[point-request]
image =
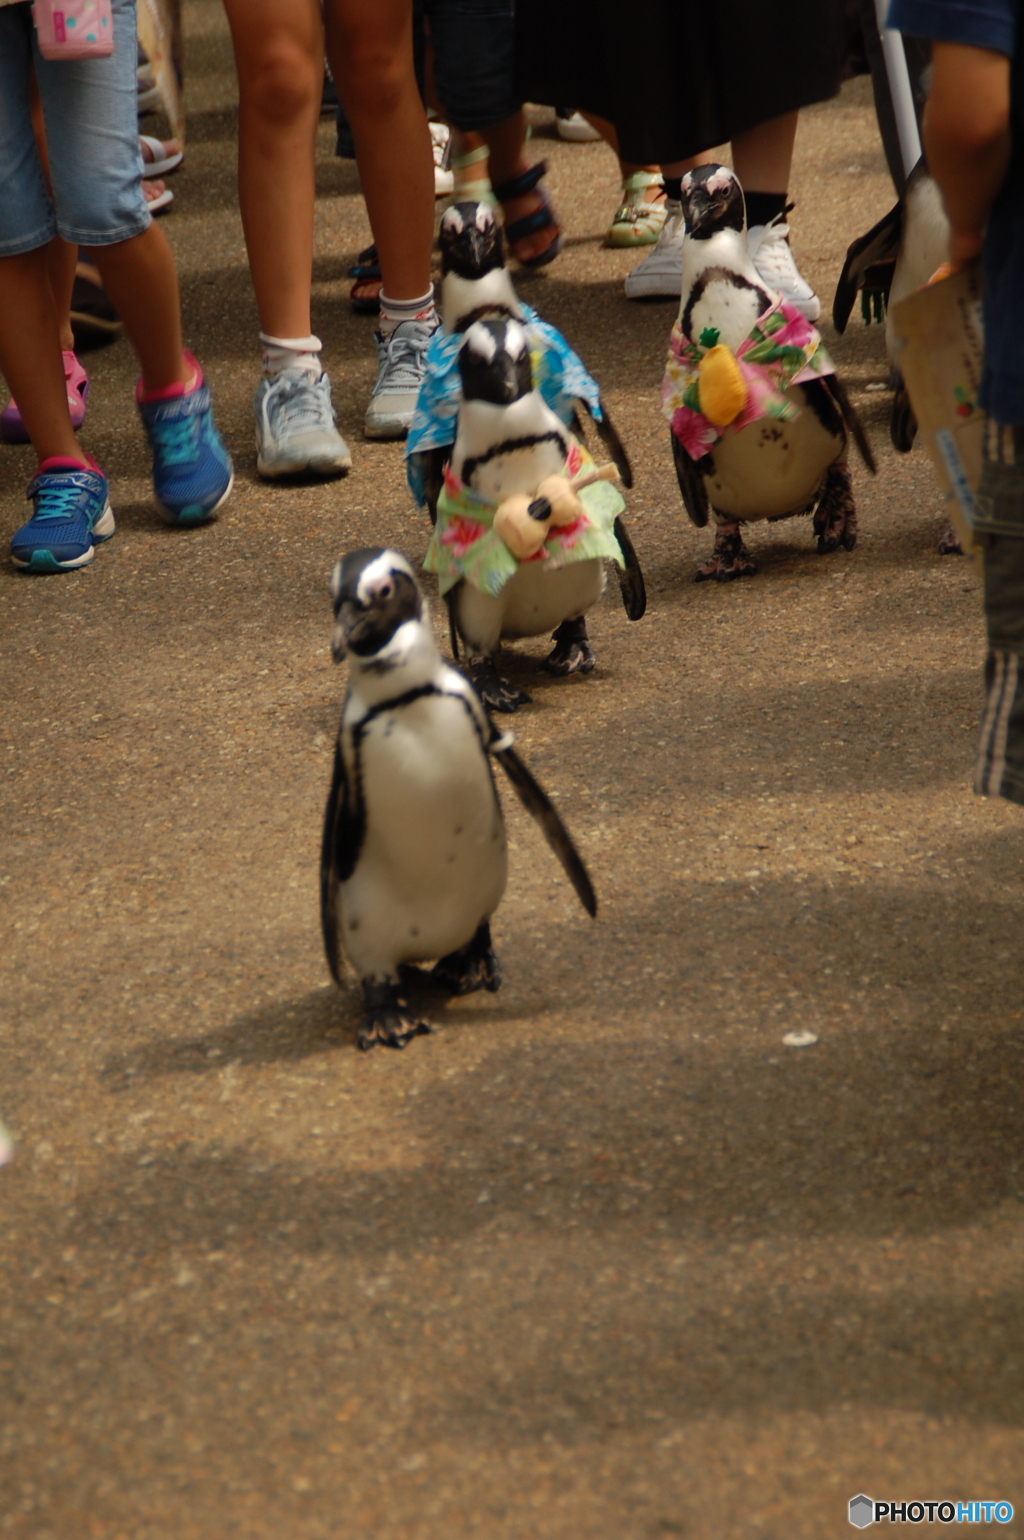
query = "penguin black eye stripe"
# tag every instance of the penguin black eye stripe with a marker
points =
(508, 446)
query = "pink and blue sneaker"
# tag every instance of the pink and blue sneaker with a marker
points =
(12, 427)
(192, 471)
(71, 514)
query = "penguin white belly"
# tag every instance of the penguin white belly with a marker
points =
(772, 468)
(532, 603)
(433, 861)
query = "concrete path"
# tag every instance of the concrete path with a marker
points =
(602, 1259)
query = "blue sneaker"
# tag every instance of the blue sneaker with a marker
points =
(192, 471)
(71, 515)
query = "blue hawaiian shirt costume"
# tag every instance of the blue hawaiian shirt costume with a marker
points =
(558, 373)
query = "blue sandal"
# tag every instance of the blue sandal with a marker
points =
(541, 219)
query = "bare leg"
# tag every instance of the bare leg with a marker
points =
(505, 142)
(370, 48)
(279, 54)
(60, 266)
(30, 354)
(140, 277)
(763, 157)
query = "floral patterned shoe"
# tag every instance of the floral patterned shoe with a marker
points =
(637, 221)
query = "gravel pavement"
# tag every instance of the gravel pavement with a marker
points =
(602, 1258)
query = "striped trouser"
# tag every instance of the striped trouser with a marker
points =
(999, 529)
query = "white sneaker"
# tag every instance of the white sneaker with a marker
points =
(401, 365)
(660, 275)
(772, 255)
(440, 140)
(574, 127)
(295, 432)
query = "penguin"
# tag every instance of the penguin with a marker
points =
(512, 453)
(414, 854)
(475, 286)
(897, 256)
(769, 468)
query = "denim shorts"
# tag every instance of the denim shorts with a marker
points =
(474, 60)
(92, 134)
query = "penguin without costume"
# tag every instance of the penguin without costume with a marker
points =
(897, 256)
(525, 520)
(476, 286)
(760, 420)
(413, 863)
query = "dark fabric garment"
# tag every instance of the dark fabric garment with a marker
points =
(680, 76)
(998, 25)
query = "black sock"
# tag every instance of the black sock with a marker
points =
(674, 188)
(762, 208)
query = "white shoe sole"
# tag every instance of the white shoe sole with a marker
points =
(653, 286)
(101, 530)
(574, 134)
(308, 465)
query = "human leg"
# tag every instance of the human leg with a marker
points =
(279, 53)
(762, 158)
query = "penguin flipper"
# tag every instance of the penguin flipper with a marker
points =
(631, 579)
(429, 470)
(879, 244)
(608, 434)
(691, 484)
(539, 805)
(339, 852)
(837, 390)
(902, 419)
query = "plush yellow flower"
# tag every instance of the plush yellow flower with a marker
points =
(720, 386)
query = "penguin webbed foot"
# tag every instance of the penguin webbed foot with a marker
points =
(572, 652)
(835, 518)
(474, 966)
(387, 1019)
(950, 545)
(494, 691)
(730, 558)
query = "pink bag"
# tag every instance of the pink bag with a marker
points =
(74, 29)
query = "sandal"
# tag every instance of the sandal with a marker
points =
(542, 218)
(164, 158)
(365, 292)
(157, 196)
(472, 190)
(637, 221)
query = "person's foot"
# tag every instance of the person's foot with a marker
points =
(71, 514)
(157, 194)
(295, 432)
(401, 363)
(159, 156)
(572, 125)
(640, 217)
(12, 427)
(772, 256)
(192, 471)
(531, 229)
(660, 275)
(441, 144)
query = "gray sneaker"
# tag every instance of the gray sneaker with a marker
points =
(295, 432)
(401, 363)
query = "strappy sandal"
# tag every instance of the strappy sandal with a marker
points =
(364, 294)
(541, 219)
(637, 222)
(472, 189)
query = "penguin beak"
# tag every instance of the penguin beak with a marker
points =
(351, 624)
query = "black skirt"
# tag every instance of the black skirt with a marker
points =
(679, 76)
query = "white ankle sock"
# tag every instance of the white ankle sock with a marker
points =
(291, 353)
(394, 311)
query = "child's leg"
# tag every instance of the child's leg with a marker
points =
(279, 53)
(30, 354)
(140, 277)
(370, 49)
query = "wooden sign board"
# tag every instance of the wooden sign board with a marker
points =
(940, 345)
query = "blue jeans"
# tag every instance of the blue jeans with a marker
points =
(92, 134)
